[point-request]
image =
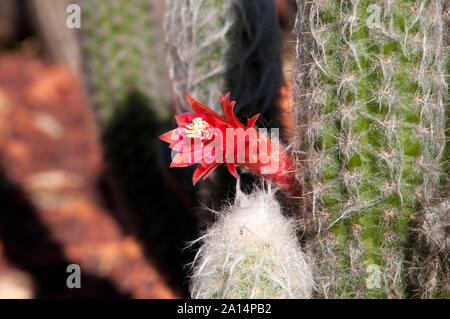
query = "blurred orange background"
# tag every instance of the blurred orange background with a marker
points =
(54, 211)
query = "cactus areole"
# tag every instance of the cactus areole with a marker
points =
(207, 138)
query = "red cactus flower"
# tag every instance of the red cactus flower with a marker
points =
(207, 138)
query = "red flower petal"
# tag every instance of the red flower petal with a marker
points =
(232, 169)
(182, 145)
(168, 137)
(251, 122)
(198, 107)
(227, 108)
(210, 170)
(182, 160)
(185, 118)
(201, 170)
(198, 173)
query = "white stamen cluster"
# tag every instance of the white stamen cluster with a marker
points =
(198, 129)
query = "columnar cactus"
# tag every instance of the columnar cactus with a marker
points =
(222, 45)
(251, 252)
(429, 270)
(369, 97)
(122, 53)
(196, 44)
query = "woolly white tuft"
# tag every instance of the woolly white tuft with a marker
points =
(251, 252)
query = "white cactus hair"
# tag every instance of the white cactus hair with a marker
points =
(251, 251)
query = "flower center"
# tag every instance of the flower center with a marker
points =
(198, 129)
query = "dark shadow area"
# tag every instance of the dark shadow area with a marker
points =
(15, 21)
(148, 200)
(254, 68)
(27, 245)
(427, 263)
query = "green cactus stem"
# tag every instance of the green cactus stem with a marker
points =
(369, 96)
(123, 53)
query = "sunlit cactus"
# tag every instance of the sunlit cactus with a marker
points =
(369, 91)
(251, 252)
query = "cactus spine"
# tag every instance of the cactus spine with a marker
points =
(370, 90)
(123, 53)
(251, 252)
(196, 44)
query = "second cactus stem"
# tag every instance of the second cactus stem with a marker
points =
(369, 90)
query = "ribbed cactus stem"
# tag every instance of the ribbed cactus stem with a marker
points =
(225, 45)
(123, 53)
(251, 252)
(369, 86)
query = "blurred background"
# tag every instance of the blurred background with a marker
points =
(83, 177)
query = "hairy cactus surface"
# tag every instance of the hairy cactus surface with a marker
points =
(123, 53)
(196, 44)
(370, 103)
(251, 252)
(222, 45)
(429, 270)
